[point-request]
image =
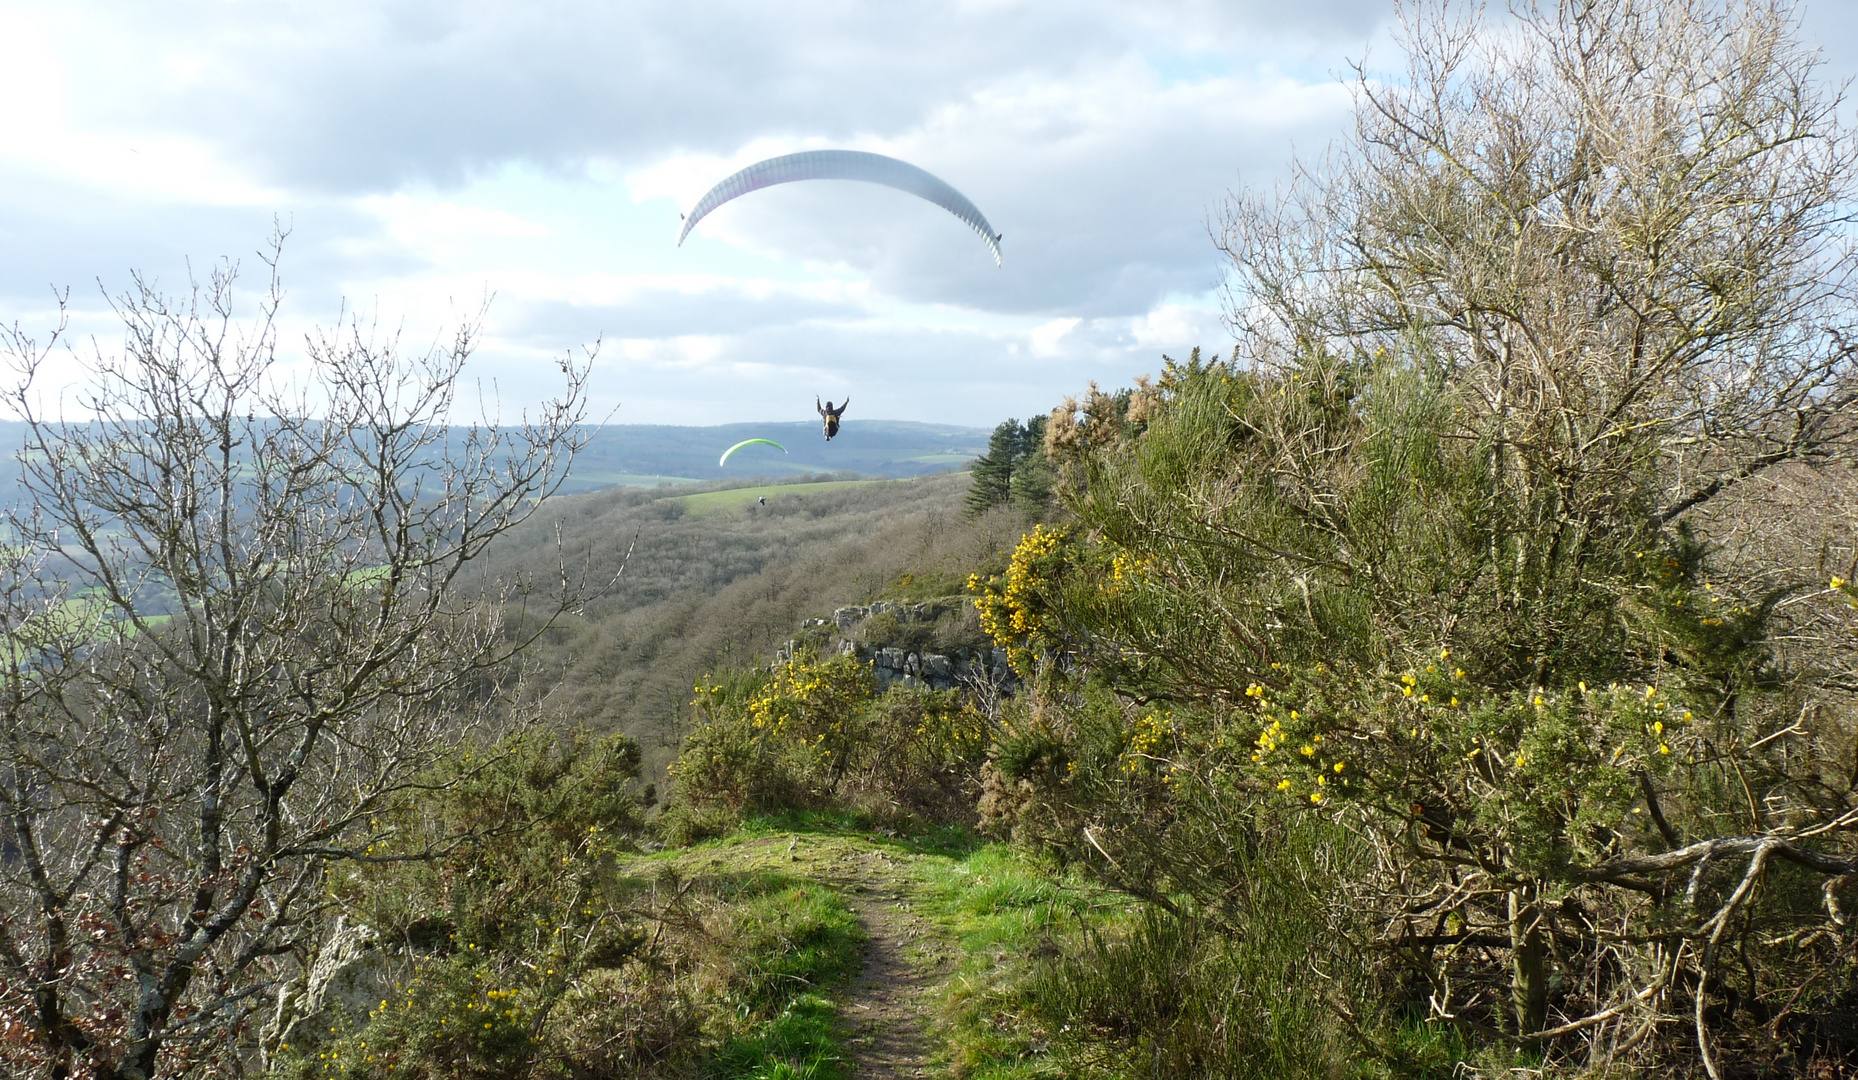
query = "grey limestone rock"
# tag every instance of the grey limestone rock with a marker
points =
(350, 975)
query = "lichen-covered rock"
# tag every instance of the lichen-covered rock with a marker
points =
(350, 975)
(937, 666)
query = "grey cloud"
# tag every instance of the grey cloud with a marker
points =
(1100, 225)
(356, 96)
(349, 97)
(660, 313)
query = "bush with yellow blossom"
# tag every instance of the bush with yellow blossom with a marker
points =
(1544, 743)
(815, 733)
(1012, 606)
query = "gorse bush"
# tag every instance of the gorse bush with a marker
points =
(1426, 560)
(492, 898)
(542, 947)
(1544, 773)
(764, 741)
(816, 734)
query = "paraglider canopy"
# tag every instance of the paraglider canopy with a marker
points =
(845, 165)
(724, 460)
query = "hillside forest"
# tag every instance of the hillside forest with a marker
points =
(1454, 675)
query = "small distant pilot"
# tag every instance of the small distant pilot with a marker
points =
(830, 416)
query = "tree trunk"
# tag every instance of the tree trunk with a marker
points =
(1528, 963)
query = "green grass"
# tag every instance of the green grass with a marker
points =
(367, 575)
(795, 940)
(1004, 909)
(1057, 977)
(801, 1042)
(707, 503)
(998, 905)
(594, 479)
(791, 941)
(1052, 975)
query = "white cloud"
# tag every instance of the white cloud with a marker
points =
(1044, 338)
(1177, 326)
(429, 152)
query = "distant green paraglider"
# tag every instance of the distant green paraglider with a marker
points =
(724, 460)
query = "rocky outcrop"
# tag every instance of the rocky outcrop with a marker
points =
(350, 975)
(849, 618)
(850, 632)
(938, 671)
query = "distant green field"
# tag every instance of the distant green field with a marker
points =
(595, 479)
(734, 499)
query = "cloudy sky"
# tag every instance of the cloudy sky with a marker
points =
(425, 153)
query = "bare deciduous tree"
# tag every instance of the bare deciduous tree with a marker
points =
(1611, 217)
(235, 619)
(1432, 557)
(1617, 229)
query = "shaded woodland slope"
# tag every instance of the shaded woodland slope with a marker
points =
(715, 581)
(643, 454)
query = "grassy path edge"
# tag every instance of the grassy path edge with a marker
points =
(947, 919)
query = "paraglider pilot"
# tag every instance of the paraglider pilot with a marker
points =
(830, 416)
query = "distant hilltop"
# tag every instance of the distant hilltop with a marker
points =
(648, 454)
(644, 455)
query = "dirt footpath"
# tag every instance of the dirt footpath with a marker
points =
(887, 1008)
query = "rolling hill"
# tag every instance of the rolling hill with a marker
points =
(716, 578)
(644, 455)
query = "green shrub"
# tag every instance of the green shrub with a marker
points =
(492, 888)
(815, 734)
(1173, 998)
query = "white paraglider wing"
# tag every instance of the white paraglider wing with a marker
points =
(845, 165)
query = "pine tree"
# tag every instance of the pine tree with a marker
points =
(1030, 487)
(993, 471)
